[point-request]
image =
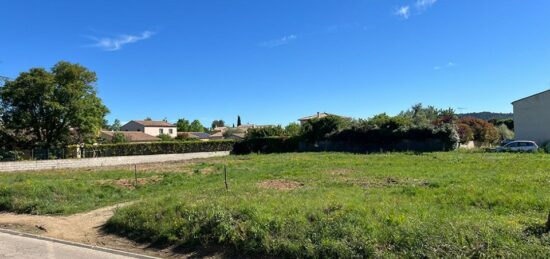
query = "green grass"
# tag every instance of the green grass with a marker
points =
(393, 205)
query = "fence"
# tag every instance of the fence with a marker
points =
(33, 154)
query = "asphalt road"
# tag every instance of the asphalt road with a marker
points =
(22, 247)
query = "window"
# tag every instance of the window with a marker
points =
(170, 131)
(161, 131)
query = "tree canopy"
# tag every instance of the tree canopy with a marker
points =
(183, 125)
(51, 106)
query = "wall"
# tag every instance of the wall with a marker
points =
(102, 161)
(532, 118)
(154, 131)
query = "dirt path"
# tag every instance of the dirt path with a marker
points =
(82, 228)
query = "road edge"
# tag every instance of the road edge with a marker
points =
(70, 243)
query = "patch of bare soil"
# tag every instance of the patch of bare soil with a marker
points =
(281, 185)
(389, 182)
(131, 183)
(85, 228)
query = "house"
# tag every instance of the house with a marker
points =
(236, 136)
(131, 136)
(216, 135)
(319, 115)
(194, 135)
(153, 128)
(532, 118)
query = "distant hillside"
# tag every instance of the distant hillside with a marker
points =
(488, 115)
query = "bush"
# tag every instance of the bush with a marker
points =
(465, 132)
(264, 132)
(165, 137)
(483, 131)
(319, 129)
(505, 132)
(118, 138)
(154, 148)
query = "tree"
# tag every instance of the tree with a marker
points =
(183, 125)
(218, 123)
(196, 126)
(239, 120)
(49, 106)
(293, 129)
(147, 119)
(116, 125)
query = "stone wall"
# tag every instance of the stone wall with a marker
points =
(102, 161)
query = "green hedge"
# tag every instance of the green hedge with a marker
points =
(267, 145)
(153, 148)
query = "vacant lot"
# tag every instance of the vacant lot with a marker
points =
(315, 205)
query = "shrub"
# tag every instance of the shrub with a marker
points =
(319, 129)
(293, 129)
(465, 133)
(505, 132)
(483, 131)
(264, 132)
(165, 137)
(118, 138)
(154, 148)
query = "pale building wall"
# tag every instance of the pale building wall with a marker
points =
(532, 118)
(155, 131)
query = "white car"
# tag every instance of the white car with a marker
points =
(519, 146)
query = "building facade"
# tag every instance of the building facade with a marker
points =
(532, 118)
(153, 128)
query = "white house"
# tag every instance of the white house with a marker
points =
(153, 128)
(532, 118)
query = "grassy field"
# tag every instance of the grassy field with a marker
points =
(317, 205)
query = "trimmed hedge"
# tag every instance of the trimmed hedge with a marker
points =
(153, 148)
(267, 145)
(387, 139)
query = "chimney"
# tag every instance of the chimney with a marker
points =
(318, 115)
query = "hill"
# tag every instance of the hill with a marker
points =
(488, 115)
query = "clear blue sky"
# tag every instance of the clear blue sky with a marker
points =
(275, 61)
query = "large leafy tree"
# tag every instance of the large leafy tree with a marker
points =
(51, 106)
(183, 125)
(196, 126)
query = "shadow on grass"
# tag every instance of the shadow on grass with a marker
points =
(189, 250)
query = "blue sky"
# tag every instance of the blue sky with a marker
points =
(275, 61)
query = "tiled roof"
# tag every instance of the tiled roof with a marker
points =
(199, 135)
(320, 115)
(155, 123)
